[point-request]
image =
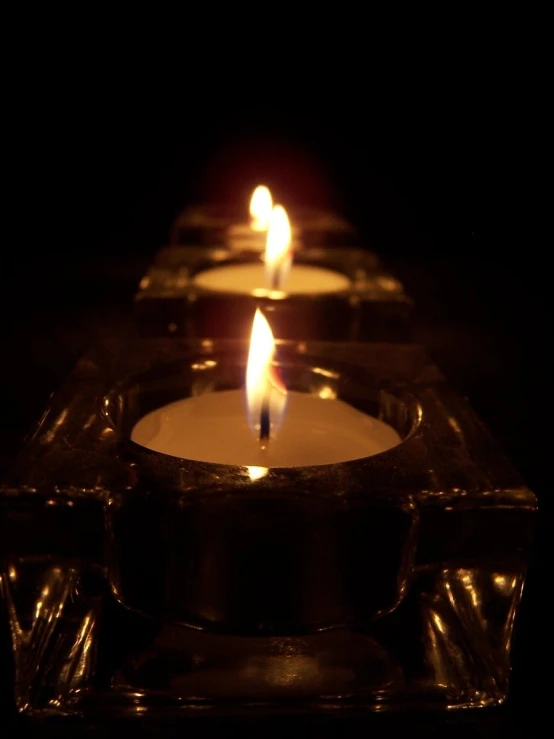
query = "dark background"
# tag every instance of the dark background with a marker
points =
(436, 180)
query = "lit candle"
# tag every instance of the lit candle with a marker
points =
(279, 537)
(272, 276)
(261, 205)
(278, 429)
(251, 236)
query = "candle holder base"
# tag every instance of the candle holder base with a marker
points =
(412, 585)
(205, 225)
(77, 652)
(374, 307)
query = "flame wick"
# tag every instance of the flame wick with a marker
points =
(278, 271)
(265, 420)
(274, 382)
(265, 389)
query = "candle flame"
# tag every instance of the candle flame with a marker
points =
(261, 204)
(263, 381)
(278, 252)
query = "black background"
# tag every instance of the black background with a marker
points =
(435, 174)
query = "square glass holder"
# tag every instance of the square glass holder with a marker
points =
(135, 583)
(374, 307)
(218, 225)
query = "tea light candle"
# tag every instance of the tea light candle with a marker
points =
(278, 556)
(249, 279)
(273, 276)
(252, 236)
(215, 428)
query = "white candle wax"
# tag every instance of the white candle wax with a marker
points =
(250, 279)
(214, 428)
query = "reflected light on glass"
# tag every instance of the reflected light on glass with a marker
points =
(256, 473)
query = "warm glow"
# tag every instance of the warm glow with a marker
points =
(256, 473)
(278, 252)
(263, 382)
(261, 204)
(278, 236)
(260, 355)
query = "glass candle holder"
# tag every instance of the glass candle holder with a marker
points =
(370, 305)
(250, 550)
(218, 225)
(376, 584)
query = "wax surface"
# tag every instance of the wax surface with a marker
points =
(246, 279)
(214, 428)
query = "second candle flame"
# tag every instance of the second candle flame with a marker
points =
(265, 390)
(278, 251)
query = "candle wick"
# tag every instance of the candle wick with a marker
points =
(275, 278)
(265, 422)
